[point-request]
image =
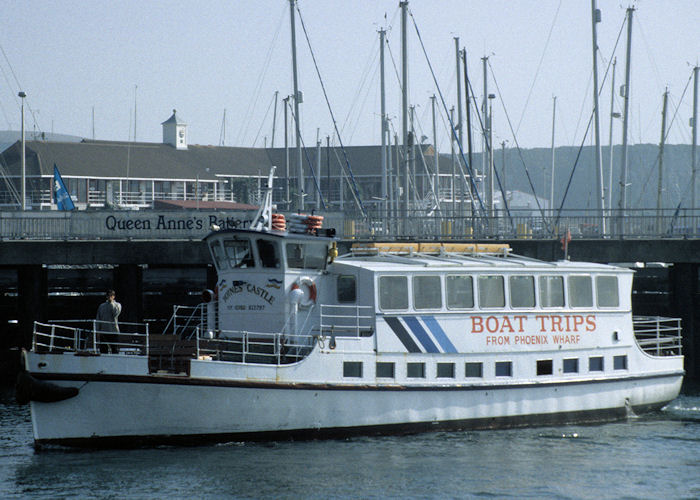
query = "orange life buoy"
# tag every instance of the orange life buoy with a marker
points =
(310, 294)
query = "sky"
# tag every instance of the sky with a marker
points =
(131, 63)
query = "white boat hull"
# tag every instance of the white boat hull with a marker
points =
(131, 409)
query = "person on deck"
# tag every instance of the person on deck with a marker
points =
(107, 325)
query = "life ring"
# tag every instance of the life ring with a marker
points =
(309, 295)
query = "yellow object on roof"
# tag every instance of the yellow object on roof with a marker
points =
(374, 248)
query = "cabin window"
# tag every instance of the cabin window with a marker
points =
(269, 255)
(544, 367)
(595, 364)
(346, 288)
(218, 254)
(239, 253)
(607, 291)
(580, 291)
(385, 370)
(352, 369)
(620, 362)
(309, 255)
(460, 292)
(522, 291)
(415, 370)
(551, 291)
(445, 370)
(393, 292)
(504, 368)
(473, 370)
(571, 365)
(491, 292)
(427, 292)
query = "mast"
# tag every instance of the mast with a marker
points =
(492, 177)
(287, 200)
(695, 137)
(459, 120)
(660, 185)
(274, 120)
(22, 95)
(385, 194)
(551, 177)
(297, 100)
(485, 115)
(436, 162)
(469, 125)
(453, 191)
(600, 198)
(404, 102)
(622, 204)
(318, 169)
(610, 138)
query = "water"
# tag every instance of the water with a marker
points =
(653, 456)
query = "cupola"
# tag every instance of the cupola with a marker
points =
(175, 131)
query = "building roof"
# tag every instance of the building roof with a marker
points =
(202, 205)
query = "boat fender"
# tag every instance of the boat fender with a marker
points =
(310, 294)
(30, 389)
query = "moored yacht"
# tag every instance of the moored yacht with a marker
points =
(296, 341)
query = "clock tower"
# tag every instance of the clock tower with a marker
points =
(175, 132)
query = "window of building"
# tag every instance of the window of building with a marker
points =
(620, 362)
(460, 292)
(393, 292)
(544, 367)
(352, 369)
(446, 370)
(504, 368)
(346, 288)
(580, 291)
(607, 291)
(491, 292)
(415, 370)
(239, 253)
(551, 291)
(385, 370)
(571, 365)
(307, 255)
(473, 370)
(427, 292)
(269, 256)
(522, 291)
(595, 364)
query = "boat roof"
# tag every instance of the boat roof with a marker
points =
(271, 233)
(417, 262)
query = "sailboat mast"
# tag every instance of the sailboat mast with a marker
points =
(551, 177)
(385, 194)
(610, 138)
(600, 198)
(404, 103)
(274, 119)
(459, 121)
(693, 149)
(622, 204)
(297, 99)
(662, 142)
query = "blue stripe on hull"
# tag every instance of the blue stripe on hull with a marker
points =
(439, 334)
(420, 334)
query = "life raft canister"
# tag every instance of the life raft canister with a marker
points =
(308, 287)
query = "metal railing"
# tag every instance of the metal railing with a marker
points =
(657, 335)
(346, 320)
(90, 336)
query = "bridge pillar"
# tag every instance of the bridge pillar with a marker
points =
(32, 298)
(128, 283)
(685, 304)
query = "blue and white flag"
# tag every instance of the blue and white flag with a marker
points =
(60, 193)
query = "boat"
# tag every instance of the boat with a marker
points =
(297, 341)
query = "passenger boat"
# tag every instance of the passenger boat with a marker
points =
(388, 338)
